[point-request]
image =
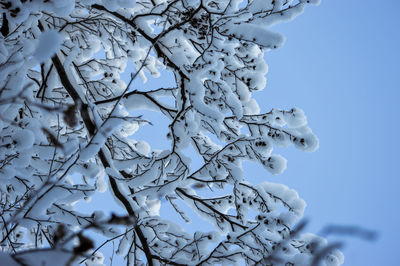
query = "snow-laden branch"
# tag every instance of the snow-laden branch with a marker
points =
(68, 122)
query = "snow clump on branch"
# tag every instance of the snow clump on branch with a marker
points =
(69, 124)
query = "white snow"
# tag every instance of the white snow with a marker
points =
(7, 260)
(49, 43)
(214, 125)
(23, 139)
(257, 34)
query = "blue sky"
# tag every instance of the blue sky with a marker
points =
(340, 65)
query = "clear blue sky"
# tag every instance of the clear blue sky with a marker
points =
(340, 65)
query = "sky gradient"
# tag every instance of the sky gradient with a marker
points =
(340, 65)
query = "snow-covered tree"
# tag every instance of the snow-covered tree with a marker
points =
(68, 123)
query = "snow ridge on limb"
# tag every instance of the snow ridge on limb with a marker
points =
(70, 130)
